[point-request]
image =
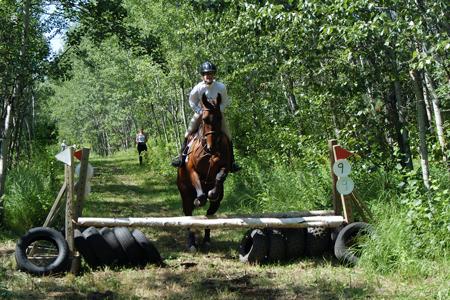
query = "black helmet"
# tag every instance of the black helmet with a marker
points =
(207, 67)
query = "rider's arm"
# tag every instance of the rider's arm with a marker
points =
(225, 99)
(194, 100)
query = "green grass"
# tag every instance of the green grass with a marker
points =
(122, 188)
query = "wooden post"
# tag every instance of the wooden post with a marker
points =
(81, 185)
(68, 172)
(337, 204)
(347, 208)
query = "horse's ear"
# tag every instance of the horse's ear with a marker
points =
(205, 101)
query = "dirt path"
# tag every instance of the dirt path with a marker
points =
(122, 188)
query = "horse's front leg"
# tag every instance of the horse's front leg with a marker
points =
(213, 207)
(201, 197)
(217, 191)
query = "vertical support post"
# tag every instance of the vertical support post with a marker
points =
(69, 178)
(81, 185)
(337, 204)
(347, 208)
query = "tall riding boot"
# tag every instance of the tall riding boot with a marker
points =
(179, 161)
(234, 166)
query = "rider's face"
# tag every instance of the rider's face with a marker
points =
(208, 77)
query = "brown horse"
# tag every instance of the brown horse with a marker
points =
(207, 166)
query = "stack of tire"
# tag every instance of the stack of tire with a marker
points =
(116, 246)
(276, 245)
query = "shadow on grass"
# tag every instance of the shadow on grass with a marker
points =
(250, 286)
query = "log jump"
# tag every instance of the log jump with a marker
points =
(215, 222)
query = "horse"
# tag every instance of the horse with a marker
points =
(208, 162)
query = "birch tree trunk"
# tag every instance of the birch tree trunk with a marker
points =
(288, 89)
(4, 155)
(437, 115)
(183, 107)
(157, 126)
(421, 118)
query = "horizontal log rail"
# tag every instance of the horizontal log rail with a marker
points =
(215, 222)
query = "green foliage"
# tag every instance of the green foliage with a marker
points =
(428, 213)
(270, 185)
(30, 191)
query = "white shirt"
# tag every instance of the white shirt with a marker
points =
(140, 138)
(211, 91)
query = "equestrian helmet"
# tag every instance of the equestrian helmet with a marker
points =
(208, 67)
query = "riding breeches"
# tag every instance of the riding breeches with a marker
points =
(197, 119)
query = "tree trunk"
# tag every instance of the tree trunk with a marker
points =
(421, 123)
(402, 130)
(4, 155)
(437, 115)
(288, 89)
(183, 107)
(158, 130)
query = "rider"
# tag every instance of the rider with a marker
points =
(141, 142)
(212, 88)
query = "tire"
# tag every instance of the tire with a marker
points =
(318, 240)
(151, 253)
(102, 249)
(254, 247)
(51, 240)
(121, 258)
(346, 239)
(277, 245)
(85, 249)
(134, 252)
(295, 242)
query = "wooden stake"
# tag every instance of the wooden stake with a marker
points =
(55, 206)
(337, 203)
(68, 172)
(81, 184)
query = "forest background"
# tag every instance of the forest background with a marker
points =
(375, 75)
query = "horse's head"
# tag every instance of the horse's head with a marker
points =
(211, 119)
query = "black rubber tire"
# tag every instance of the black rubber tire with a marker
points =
(103, 251)
(85, 249)
(277, 245)
(318, 240)
(295, 242)
(134, 252)
(60, 264)
(121, 258)
(254, 247)
(151, 253)
(346, 239)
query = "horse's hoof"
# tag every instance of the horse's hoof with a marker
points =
(197, 202)
(192, 249)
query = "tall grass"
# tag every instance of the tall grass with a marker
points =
(278, 187)
(30, 191)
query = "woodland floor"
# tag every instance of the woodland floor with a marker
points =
(120, 187)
